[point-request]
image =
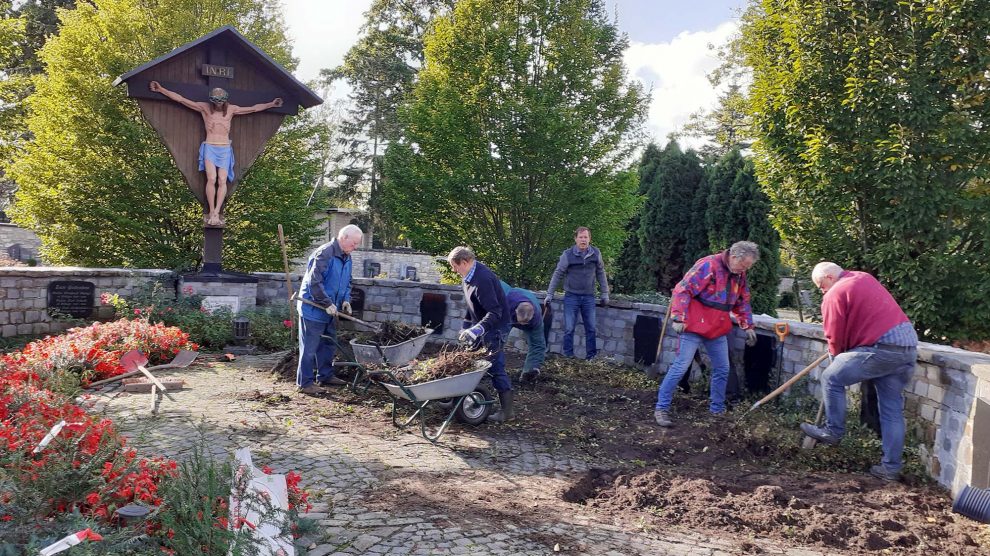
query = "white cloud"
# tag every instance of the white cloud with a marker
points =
(322, 31)
(676, 72)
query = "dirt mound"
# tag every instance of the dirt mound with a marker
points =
(837, 512)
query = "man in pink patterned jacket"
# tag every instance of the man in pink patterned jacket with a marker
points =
(719, 282)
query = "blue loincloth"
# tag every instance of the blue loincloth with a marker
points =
(222, 156)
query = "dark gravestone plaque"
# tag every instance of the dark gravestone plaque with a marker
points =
(71, 298)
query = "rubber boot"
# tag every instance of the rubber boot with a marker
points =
(507, 413)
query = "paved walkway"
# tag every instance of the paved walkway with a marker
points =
(347, 470)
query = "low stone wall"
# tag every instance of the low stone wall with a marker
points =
(395, 264)
(24, 292)
(947, 402)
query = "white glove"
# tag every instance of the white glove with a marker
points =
(750, 337)
(470, 335)
(332, 310)
(678, 326)
(346, 307)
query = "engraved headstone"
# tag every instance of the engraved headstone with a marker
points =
(71, 297)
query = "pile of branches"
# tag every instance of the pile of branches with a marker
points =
(390, 334)
(445, 364)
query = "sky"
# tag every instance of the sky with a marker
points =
(668, 51)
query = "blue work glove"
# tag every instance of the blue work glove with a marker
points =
(471, 335)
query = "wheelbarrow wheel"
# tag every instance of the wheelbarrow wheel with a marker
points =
(477, 405)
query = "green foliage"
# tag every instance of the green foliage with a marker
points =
(739, 210)
(381, 68)
(516, 133)
(630, 274)
(210, 329)
(667, 217)
(98, 186)
(872, 145)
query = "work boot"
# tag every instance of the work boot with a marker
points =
(312, 390)
(529, 376)
(820, 434)
(332, 381)
(507, 413)
(662, 417)
(881, 472)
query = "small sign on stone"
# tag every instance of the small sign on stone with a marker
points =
(213, 302)
(71, 297)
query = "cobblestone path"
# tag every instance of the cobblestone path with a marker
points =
(350, 472)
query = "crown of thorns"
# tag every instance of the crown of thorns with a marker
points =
(219, 98)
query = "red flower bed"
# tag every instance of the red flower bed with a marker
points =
(93, 353)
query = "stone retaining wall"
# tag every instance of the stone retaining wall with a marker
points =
(24, 294)
(947, 402)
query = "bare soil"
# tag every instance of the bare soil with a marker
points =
(705, 476)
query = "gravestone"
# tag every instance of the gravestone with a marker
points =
(72, 297)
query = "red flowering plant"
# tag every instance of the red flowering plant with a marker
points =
(62, 363)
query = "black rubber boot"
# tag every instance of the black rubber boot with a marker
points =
(507, 413)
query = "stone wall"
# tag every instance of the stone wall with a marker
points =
(395, 264)
(18, 243)
(24, 294)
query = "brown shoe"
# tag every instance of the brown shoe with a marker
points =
(311, 390)
(334, 381)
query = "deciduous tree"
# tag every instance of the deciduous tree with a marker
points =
(518, 131)
(872, 133)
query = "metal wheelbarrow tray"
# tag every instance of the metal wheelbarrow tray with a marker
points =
(454, 388)
(396, 355)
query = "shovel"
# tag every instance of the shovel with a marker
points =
(788, 384)
(131, 359)
(341, 314)
(653, 371)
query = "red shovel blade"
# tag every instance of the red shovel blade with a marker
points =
(133, 359)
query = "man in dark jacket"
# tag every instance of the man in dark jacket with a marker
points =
(327, 283)
(485, 321)
(524, 314)
(579, 266)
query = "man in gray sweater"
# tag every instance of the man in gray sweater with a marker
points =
(580, 266)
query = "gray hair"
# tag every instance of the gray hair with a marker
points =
(824, 269)
(745, 250)
(525, 312)
(348, 231)
(460, 254)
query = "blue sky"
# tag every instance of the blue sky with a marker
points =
(669, 48)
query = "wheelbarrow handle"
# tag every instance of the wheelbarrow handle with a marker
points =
(340, 314)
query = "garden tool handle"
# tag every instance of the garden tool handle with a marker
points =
(340, 314)
(781, 329)
(789, 382)
(663, 329)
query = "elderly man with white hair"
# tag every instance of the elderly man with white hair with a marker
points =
(700, 306)
(870, 338)
(327, 283)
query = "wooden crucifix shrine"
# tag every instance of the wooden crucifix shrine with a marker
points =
(215, 102)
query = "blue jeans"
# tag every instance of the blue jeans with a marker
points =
(495, 342)
(585, 303)
(890, 371)
(315, 352)
(687, 345)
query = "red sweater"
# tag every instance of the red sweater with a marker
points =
(857, 311)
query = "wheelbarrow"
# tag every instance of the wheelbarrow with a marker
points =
(397, 355)
(450, 394)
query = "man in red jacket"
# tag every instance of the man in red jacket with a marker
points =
(870, 338)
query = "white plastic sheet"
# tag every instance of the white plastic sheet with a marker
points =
(245, 513)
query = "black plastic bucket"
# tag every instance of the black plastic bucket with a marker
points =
(973, 503)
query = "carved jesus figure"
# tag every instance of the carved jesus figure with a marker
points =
(216, 156)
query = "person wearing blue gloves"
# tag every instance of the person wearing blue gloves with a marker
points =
(327, 282)
(524, 315)
(485, 322)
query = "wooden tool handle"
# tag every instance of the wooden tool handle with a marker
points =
(791, 381)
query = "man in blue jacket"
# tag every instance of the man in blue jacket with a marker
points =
(485, 322)
(327, 283)
(524, 314)
(579, 267)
